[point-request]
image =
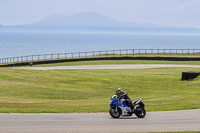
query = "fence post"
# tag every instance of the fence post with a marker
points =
(72, 55)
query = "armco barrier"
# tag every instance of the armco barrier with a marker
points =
(98, 54)
(98, 58)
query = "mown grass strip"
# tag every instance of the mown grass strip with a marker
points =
(107, 62)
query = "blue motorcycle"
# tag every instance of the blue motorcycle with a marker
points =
(120, 108)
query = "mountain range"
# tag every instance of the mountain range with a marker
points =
(90, 21)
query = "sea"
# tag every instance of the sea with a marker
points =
(13, 44)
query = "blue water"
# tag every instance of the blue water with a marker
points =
(20, 44)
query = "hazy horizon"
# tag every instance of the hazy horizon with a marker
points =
(181, 13)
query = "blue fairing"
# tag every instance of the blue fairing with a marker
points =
(114, 102)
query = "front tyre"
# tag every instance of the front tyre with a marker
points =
(140, 113)
(114, 113)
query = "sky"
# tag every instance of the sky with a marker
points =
(183, 13)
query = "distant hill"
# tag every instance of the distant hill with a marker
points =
(90, 21)
(86, 19)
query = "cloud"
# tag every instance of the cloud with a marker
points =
(190, 5)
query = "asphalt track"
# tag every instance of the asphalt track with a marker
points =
(164, 121)
(123, 66)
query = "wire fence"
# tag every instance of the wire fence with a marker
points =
(124, 52)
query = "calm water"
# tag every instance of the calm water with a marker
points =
(20, 44)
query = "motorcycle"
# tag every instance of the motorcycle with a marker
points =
(120, 108)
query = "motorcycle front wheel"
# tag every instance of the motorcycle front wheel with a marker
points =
(141, 113)
(114, 113)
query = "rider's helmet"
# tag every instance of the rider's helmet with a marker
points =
(118, 91)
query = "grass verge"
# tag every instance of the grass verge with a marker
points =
(67, 91)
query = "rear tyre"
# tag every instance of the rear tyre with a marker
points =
(114, 113)
(140, 113)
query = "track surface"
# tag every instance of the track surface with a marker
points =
(127, 66)
(186, 120)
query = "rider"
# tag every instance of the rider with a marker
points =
(123, 95)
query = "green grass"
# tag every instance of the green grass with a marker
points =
(37, 91)
(104, 62)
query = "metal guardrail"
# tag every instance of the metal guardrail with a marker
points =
(124, 52)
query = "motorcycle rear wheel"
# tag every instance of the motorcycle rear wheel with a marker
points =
(114, 113)
(141, 113)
